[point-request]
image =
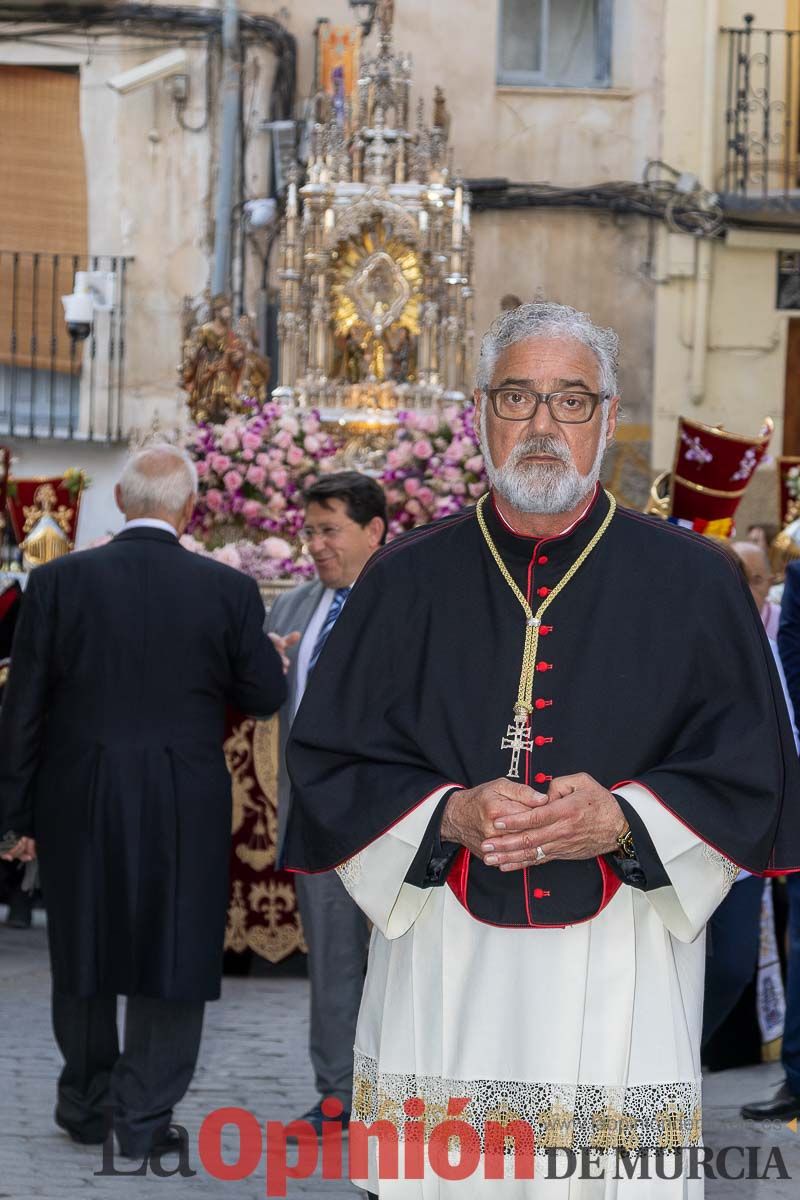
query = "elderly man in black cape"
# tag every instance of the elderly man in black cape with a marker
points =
(541, 741)
(112, 771)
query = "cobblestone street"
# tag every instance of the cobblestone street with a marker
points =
(253, 1056)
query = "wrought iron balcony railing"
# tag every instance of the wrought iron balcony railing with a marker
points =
(762, 117)
(53, 385)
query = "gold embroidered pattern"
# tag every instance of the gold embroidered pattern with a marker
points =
(262, 914)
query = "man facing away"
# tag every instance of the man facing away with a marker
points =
(112, 771)
(538, 703)
(345, 522)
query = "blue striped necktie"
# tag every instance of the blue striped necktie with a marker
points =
(337, 604)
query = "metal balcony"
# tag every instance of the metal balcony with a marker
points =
(762, 119)
(53, 385)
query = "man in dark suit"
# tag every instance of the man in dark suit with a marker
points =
(112, 772)
(785, 1104)
(12, 874)
(345, 523)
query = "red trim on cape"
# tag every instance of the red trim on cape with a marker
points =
(412, 536)
(458, 787)
(768, 873)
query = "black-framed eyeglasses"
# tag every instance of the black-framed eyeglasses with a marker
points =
(574, 407)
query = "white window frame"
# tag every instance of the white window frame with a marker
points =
(604, 27)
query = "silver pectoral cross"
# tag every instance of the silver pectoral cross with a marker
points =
(516, 740)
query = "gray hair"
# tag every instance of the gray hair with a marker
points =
(159, 478)
(552, 321)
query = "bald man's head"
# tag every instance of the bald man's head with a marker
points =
(159, 482)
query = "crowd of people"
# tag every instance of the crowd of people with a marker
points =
(535, 749)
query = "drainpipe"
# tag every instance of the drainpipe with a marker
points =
(220, 279)
(702, 292)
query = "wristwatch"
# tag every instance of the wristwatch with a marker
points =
(625, 843)
(8, 841)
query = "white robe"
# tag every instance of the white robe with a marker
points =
(596, 1024)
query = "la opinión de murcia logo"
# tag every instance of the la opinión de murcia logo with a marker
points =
(452, 1149)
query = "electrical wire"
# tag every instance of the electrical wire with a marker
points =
(695, 212)
(156, 22)
(180, 107)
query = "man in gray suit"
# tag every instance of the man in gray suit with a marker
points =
(345, 523)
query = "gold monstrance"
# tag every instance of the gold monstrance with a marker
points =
(376, 257)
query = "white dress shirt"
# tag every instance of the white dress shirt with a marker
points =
(307, 644)
(149, 523)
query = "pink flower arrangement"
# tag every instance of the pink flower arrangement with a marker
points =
(253, 471)
(263, 561)
(434, 468)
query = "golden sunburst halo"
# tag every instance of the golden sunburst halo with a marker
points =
(377, 285)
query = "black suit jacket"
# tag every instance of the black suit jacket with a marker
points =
(789, 634)
(111, 734)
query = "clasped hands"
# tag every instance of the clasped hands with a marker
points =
(23, 851)
(505, 823)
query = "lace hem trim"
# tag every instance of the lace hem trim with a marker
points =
(665, 1116)
(350, 871)
(729, 870)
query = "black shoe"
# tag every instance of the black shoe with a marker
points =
(316, 1118)
(784, 1106)
(20, 910)
(164, 1143)
(82, 1136)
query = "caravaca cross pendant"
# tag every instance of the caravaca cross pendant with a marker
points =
(516, 740)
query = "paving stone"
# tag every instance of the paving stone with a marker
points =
(253, 1056)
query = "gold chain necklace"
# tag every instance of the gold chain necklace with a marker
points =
(516, 739)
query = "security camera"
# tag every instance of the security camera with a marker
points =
(79, 315)
(94, 290)
(176, 62)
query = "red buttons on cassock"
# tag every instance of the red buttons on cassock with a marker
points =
(542, 559)
(540, 777)
(544, 630)
(539, 893)
(542, 741)
(543, 666)
(542, 703)
(543, 591)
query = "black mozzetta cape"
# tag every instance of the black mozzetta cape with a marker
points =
(652, 667)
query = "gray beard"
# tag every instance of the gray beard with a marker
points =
(545, 488)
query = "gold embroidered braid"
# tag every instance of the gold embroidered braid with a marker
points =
(524, 705)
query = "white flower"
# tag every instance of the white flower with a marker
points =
(275, 547)
(290, 424)
(228, 555)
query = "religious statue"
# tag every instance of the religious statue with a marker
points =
(399, 340)
(46, 528)
(352, 350)
(213, 358)
(386, 16)
(254, 379)
(441, 116)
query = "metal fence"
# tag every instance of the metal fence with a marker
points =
(53, 385)
(762, 115)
